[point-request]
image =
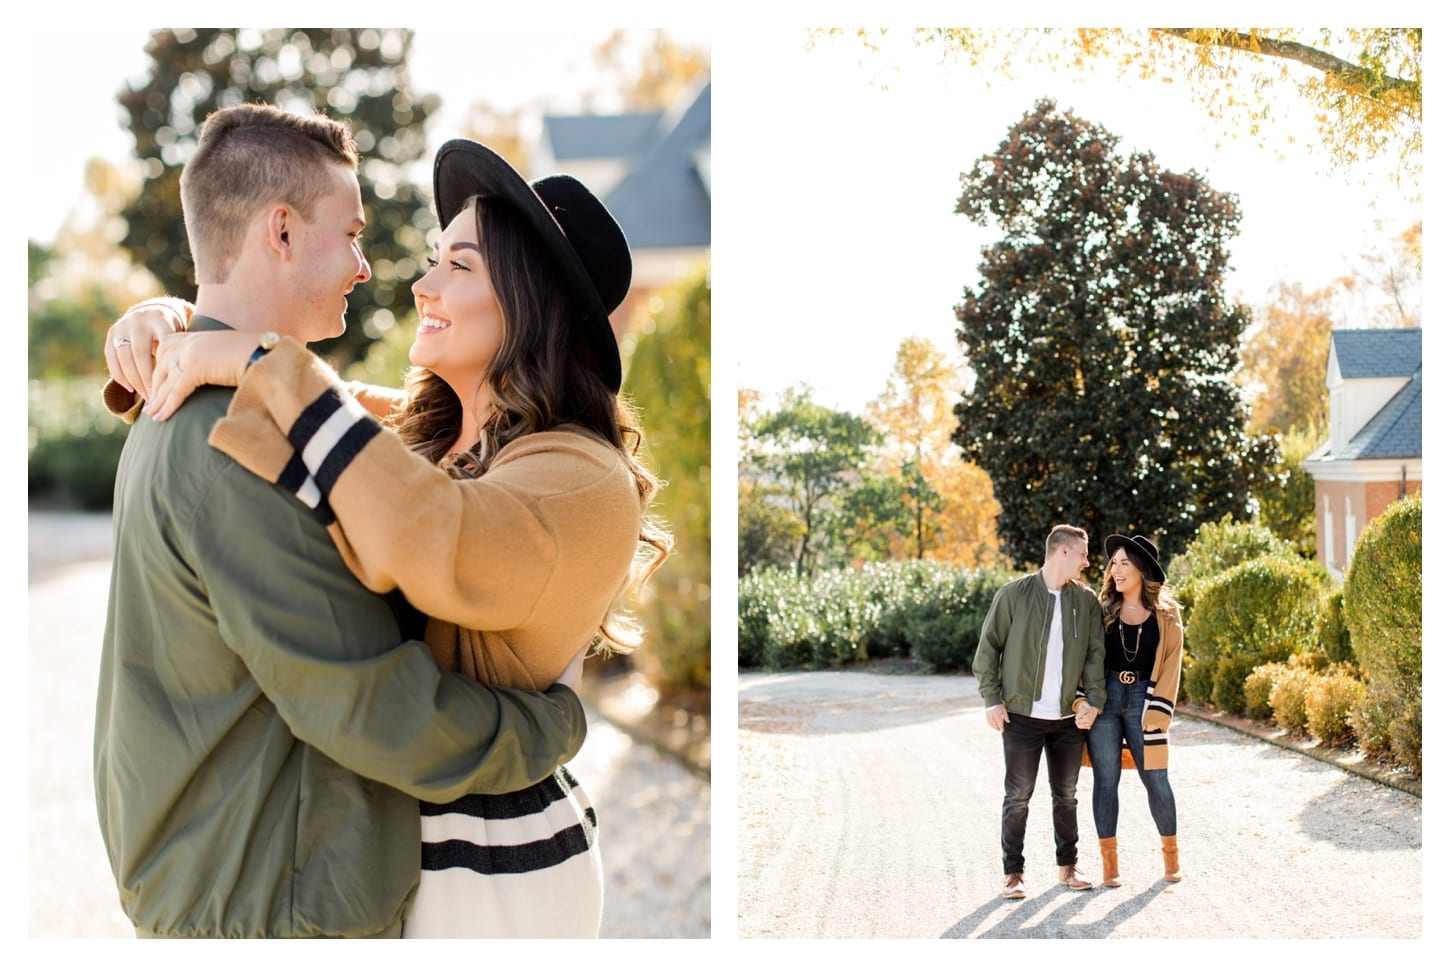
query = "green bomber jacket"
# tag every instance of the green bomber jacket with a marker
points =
(1012, 650)
(262, 736)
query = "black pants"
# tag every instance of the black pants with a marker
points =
(1024, 739)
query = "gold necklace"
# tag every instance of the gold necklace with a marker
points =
(1137, 642)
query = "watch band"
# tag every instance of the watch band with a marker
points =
(266, 342)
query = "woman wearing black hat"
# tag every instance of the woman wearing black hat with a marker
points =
(1144, 637)
(509, 505)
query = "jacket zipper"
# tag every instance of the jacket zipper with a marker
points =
(1042, 652)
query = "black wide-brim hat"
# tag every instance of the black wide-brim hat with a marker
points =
(1141, 551)
(587, 243)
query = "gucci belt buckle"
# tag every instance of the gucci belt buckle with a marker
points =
(1128, 678)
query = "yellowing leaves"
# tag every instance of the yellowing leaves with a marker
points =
(1363, 83)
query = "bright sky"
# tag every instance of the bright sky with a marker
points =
(850, 241)
(504, 67)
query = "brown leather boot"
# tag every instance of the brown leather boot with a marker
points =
(1109, 848)
(1070, 877)
(1170, 859)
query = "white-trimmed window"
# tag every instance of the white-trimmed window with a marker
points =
(1350, 531)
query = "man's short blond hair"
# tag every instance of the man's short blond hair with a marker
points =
(1063, 534)
(249, 156)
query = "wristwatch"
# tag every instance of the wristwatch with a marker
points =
(266, 342)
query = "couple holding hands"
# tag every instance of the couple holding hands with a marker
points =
(1076, 675)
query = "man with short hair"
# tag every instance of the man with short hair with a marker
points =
(262, 737)
(1039, 668)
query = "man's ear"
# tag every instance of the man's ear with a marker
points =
(279, 220)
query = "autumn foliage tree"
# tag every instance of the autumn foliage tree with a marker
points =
(1285, 359)
(1362, 85)
(951, 510)
(1102, 342)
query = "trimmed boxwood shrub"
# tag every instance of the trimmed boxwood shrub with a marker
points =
(1405, 736)
(1334, 638)
(1289, 698)
(1196, 680)
(1371, 719)
(1382, 593)
(1257, 686)
(1330, 704)
(1267, 607)
(1217, 548)
(1229, 673)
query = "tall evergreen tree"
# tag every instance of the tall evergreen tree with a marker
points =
(1101, 341)
(357, 75)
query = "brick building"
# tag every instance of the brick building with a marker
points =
(1373, 454)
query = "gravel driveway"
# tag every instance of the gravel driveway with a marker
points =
(870, 806)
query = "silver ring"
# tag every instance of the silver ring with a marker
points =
(120, 341)
(176, 366)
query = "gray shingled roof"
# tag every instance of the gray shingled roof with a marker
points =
(589, 136)
(1394, 431)
(663, 201)
(1372, 353)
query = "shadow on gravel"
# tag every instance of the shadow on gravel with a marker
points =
(868, 704)
(1025, 920)
(845, 717)
(1348, 818)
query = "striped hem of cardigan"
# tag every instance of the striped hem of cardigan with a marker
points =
(326, 437)
(507, 805)
(1157, 703)
(490, 860)
(522, 858)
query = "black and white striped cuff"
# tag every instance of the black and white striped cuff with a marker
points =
(327, 436)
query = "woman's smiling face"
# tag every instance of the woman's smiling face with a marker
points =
(1125, 576)
(460, 323)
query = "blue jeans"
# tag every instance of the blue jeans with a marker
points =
(1123, 717)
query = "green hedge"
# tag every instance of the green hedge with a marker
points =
(74, 445)
(1382, 592)
(1248, 599)
(1217, 548)
(1268, 607)
(1334, 637)
(1331, 702)
(926, 610)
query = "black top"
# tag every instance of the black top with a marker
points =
(1131, 647)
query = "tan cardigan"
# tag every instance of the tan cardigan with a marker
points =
(516, 569)
(1162, 686)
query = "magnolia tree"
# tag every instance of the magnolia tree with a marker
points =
(1102, 342)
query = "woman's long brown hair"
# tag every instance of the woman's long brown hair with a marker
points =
(1155, 593)
(544, 375)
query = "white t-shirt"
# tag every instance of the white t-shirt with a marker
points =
(1048, 705)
